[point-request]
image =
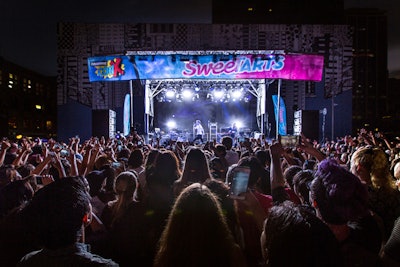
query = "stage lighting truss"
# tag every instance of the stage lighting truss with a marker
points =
(215, 91)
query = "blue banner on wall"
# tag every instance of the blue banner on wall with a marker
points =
(281, 117)
(127, 114)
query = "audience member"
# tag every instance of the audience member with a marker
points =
(197, 234)
(118, 217)
(341, 201)
(195, 170)
(371, 166)
(232, 157)
(136, 164)
(294, 236)
(59, 225)
(301, 185)
(390, 254)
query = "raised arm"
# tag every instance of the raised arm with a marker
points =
(276, 173)
(4, 146)
(308, 147)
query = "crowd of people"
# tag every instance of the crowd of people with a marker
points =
(126, 202)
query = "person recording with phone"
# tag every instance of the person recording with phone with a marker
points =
(250, 225)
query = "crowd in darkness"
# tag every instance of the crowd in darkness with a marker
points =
(127, 201)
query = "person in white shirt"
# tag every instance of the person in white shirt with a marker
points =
(198, 131)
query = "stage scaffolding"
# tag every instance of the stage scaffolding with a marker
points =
(258, 88)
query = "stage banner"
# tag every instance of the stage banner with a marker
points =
(281, 117)
(254, 66)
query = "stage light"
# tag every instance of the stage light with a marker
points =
(171, 124)
(170, 93)
(237, 94)
(239, 124)
(218, 94)
(187, 94)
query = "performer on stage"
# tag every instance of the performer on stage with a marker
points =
(233, 130)
(198, 131)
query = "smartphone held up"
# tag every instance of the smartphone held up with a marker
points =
(240, 180)
(289, 141)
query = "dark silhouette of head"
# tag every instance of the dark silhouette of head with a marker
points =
(339, 195)
(59, 211)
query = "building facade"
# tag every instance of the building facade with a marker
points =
(370, 91)
(28, 102)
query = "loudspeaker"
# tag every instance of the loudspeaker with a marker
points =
(103, 123)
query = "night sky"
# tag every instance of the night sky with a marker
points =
(28, 28)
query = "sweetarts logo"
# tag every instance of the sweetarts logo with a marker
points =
(112, 68)
(244, 64)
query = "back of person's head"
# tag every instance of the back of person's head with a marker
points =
(9, 158)
(289, 173)
(196, 233)
(8, 173)
(35, 159)
(196, 167)
(339, 195)
(218, 169)
(375, 161)
(123, 154)
(165, 170)
(220, 150)
(263, 156)
(135, 159)
(301, 185)
(101, 161)
(294, 236)
(151, 157)
(125, 185)
(96, 180)
(14, 195)
(58, 211)
(309, 164)
(227, 141)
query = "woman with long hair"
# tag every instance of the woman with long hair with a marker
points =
(197, 233)
(195, 170)
(371, 165)
(124, 220)
(125, 189)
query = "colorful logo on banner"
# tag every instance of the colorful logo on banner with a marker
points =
(111, 68)
(281, 116)
(254, 66)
